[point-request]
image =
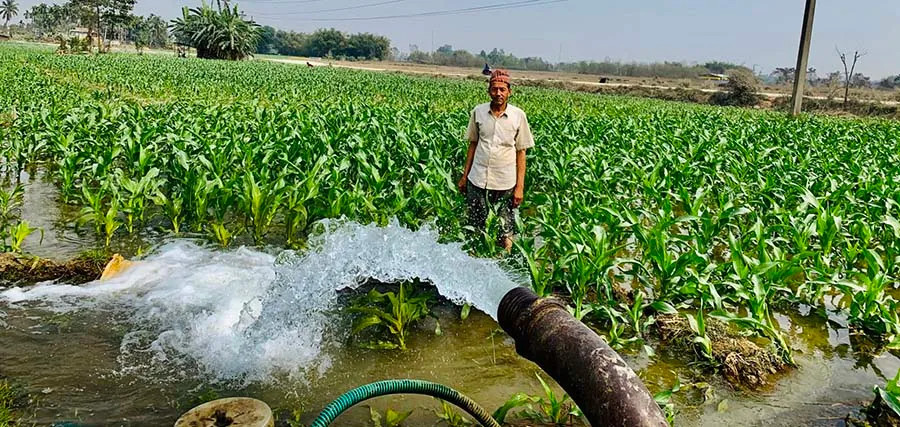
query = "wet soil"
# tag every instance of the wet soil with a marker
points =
(742, 362)
(879, 414)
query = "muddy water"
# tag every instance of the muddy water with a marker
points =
(72, 363)
(834, 378)
(92, 365)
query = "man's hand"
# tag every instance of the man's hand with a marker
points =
(518, 196)
(462, 184)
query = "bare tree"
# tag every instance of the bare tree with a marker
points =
(848, 73)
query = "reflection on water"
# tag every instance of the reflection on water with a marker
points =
(42, 210)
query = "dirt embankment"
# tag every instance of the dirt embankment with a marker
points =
(18, 269)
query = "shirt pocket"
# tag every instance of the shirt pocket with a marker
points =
(507, 130)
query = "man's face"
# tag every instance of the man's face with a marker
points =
(499, 92)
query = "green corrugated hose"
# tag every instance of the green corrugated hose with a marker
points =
(383, 388)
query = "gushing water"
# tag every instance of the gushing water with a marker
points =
(246, 316)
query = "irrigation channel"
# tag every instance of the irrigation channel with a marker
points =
(190, 322)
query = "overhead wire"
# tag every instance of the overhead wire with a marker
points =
(361, 6)
(508, 5)
(281, 1)
(337, 9)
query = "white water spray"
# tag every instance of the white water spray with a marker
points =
(247, 316)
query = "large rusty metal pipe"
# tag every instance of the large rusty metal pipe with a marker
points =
(593, 374)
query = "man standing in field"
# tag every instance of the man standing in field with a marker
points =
(494, 174)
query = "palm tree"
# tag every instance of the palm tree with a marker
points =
(8, 10)
(216, 34)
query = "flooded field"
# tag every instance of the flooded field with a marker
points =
(261, 202)
(142, 348)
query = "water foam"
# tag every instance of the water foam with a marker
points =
(244, 315)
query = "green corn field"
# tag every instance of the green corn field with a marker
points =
(633, 208)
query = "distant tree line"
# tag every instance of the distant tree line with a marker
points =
(220, 32)
(673, 70)
(104, 20)
(785, 75)
(329, 43)
(113, 20)
(890, 82)
(447, 55)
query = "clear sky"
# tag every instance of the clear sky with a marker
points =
(764, 33)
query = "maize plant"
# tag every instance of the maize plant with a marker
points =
(631, 206)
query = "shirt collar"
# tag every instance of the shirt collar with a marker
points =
(505, 112)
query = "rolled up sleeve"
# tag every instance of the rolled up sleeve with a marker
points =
(524, 138)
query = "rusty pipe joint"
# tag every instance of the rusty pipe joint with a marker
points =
(608, 392)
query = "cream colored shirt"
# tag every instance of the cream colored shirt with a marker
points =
(494, 165)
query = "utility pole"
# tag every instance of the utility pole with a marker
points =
(803, 56)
